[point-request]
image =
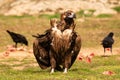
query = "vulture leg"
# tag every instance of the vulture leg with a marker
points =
(52, 61)
(52, 70)
(72, 52)
(56, 68)
(65, 70)
(67, 62)
(53, 65)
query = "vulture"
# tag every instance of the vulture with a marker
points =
(41, 48)
(59, 46)
(17, 38)
(65, 44)
(107, 42)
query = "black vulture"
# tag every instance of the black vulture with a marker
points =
(108, 41)
(41, 48)
(17, 38)
(59, 45)
(65, 44)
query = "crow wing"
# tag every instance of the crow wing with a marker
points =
(108, 41)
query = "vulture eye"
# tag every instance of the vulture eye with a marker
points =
(69, 13)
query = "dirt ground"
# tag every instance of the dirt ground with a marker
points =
(21, 54)
(18, 54)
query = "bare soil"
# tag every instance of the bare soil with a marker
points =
(84, 51)
(20, 55)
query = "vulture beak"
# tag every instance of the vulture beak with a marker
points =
(72, 15)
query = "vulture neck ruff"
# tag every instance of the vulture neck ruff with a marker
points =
(61, 40)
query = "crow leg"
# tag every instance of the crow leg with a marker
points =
(21, 44)
(16, 45)
(104, 51)
(111, 51)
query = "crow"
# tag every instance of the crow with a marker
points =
(17, 38)
(107, 42)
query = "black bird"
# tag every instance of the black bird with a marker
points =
(17, 38)
(108, 41)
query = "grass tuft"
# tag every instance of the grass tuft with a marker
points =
(117, 8)
(104, 15)
(49, 16)
(79, 71)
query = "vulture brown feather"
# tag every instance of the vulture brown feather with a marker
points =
(41, 48)
(60, 45)
(65, 44)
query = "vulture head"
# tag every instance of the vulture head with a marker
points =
(68, 19)
(68, 16)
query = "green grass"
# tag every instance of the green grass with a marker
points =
(49, 16)
(117, 8)
(79, 71)
(104, 15)
(89, 13)
(92, 31)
